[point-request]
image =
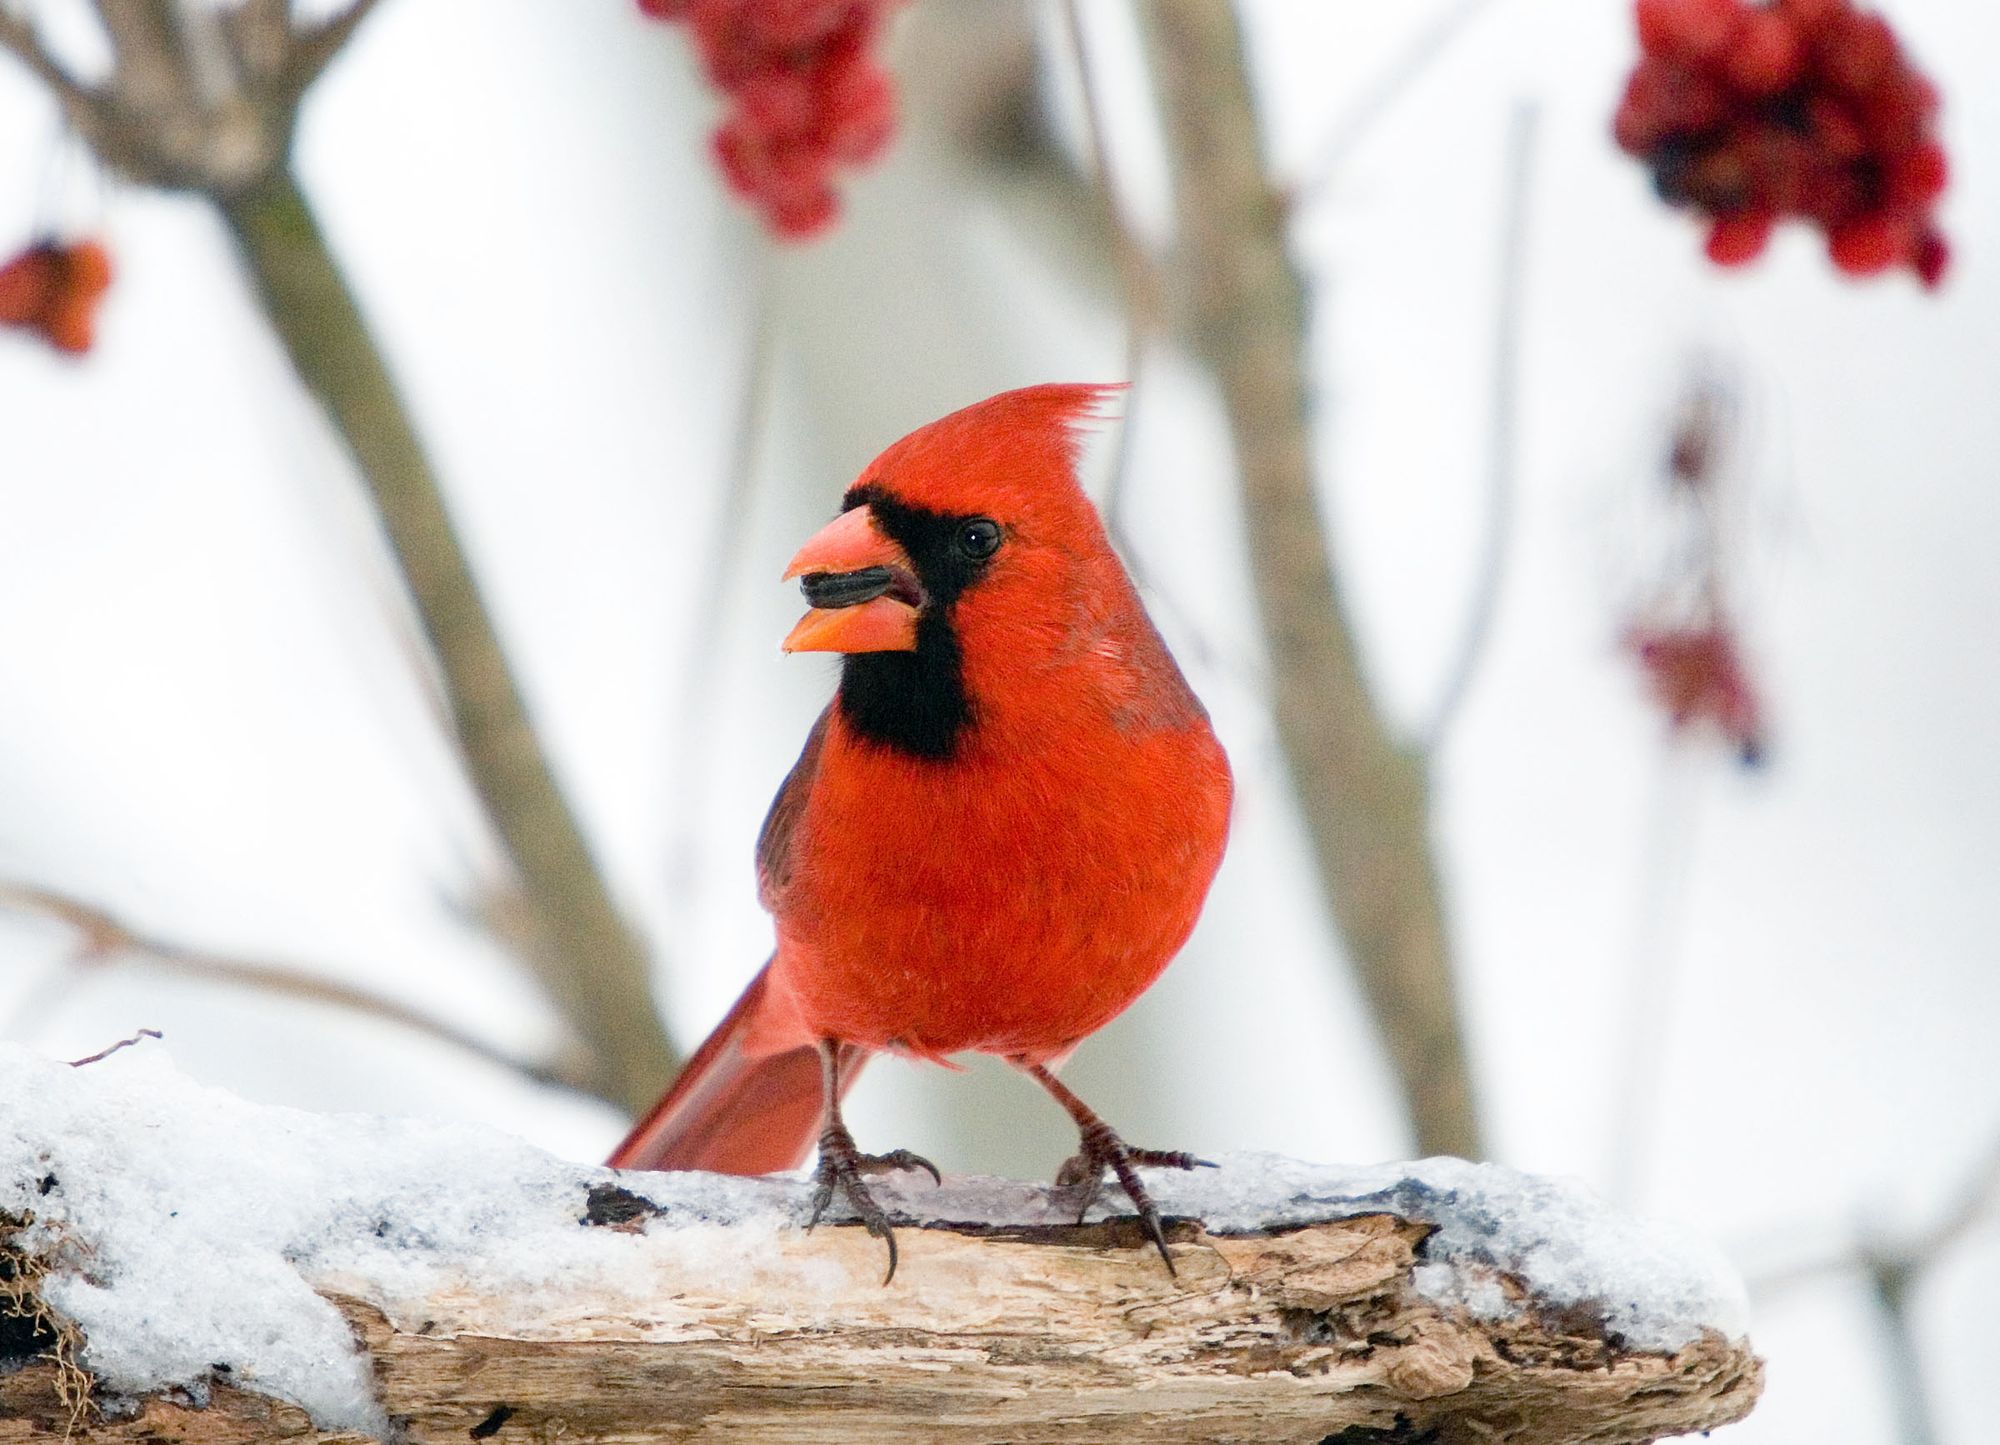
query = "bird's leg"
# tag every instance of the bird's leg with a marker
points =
(1101, 1149)
(841, 1165)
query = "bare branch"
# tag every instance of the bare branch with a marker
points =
(19, 38)
(109, 1050)
(1916, 1419)
(1654, 973)
(1136, 273)
(1391, 83)
(1501, 443)
(727, 555)
(1365, 798)
(103, 936)
(260, 35)
(145, 39)
(314, 50)
(1979, 1199)
(592, 964)
(1894, 1272)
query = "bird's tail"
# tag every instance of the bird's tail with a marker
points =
(731, 1111)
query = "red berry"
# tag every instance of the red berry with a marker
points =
(1869, 246)
(1767, 55)
(89, 266)
(54, 290)
(1696, 675)
(794, 24)
(1836, 129)
(778, 103)
(1687, 29)
(1788, 108)
(26, 284)
(1739, 240)
(1856, 51)
(806, 97)
(1921, 174)
(1932, 259)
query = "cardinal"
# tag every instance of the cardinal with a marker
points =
(1000, 831)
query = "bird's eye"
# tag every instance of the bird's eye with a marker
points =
(979, 538)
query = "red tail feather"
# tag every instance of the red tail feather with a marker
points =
(731, 1112)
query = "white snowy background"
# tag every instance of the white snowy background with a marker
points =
(209, 724)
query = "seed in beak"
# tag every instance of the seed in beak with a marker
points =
(846, 589)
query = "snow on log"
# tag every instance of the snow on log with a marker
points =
(214, 1270)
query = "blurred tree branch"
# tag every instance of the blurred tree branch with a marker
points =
(1390, 84)
(1501, 446)
(1893, 1269)
(589, 960)
(20, 40)
(1137, 274)
(314, 50)
(166, 119)
(102, 936)
(728, 555)
(1365, 799)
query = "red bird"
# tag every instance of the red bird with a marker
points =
(1000, 830)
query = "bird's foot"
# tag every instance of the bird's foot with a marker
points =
(841, 1168)
(1082, 1177)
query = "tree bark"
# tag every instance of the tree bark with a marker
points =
(1037, 1334)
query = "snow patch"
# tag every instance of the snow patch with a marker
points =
(192, 1230)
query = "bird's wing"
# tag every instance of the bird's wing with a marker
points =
(774, 840)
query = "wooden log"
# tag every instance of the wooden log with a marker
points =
(1033, 1334)
(208, 1259)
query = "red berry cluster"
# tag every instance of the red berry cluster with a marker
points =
(806, 97)
(1697, 675)
(53, 289)
(1751, 112)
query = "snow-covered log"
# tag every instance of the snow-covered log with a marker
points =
(224, 1271)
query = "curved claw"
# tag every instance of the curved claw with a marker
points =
(898, 1159)
(877, 1224)
(842, 1166)
(888, 1237)
(1102, 1149)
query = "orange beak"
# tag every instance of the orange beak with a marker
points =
(863, 590)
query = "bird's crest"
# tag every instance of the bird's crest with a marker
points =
(1024, 443)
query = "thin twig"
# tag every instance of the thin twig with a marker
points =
(1893, 1271)
(260, 34)
(315, 49)
(1979, 1198)
(1502, 444)
(1364, 798)
(1135, 274)
(1978, 1201)
(145, 38)
(19, 38)
(1391, 83)
(107, 1052)
(1654, 971)
(103, 935)
(726, 554)
(1916, 1418)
